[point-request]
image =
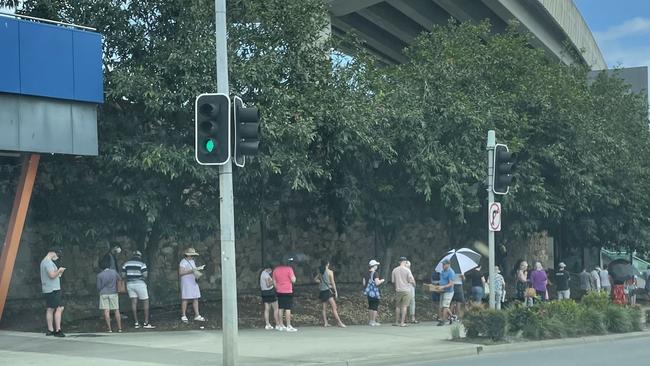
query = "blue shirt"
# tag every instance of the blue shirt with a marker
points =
(447, 277)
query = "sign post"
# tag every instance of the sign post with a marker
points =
(493, 210)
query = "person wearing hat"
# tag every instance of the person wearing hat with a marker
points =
(562, 278)
(51, 287)
(135, 271)
(189, 274)
(371, 283)
(111, 258)
(447, 287)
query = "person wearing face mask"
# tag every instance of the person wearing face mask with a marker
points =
(111, 258)
(51, 288)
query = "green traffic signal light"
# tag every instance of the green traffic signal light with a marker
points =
(209, 145)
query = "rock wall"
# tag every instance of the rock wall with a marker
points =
(350, 251)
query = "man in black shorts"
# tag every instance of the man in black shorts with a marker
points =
(283, 279)
(51, 287)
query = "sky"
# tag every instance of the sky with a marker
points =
(621, 29)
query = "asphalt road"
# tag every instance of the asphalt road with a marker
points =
(623, 352)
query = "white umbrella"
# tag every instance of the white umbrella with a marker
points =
(461, 260)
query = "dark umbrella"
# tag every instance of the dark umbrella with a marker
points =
(621, 270)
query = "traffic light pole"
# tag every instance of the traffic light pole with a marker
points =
(491, 145)
(226, 210)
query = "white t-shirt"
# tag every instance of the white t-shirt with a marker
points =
(264, 280)
(604, 278)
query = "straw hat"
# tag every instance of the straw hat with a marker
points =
(191, 252)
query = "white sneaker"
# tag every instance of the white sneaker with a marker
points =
(268, 327)
(372, 324)
(291, 329)
(377, 324)
(280, 328)
(199, 318)
(148, 326)
(184, 319)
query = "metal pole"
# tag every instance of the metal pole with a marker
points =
(226, 212)
(491, 143)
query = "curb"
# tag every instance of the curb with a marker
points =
(470, 349)
(560, 342)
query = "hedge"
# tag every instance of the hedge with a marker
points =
(553, 319)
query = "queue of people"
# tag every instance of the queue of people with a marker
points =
(277, 293)
(113, 279)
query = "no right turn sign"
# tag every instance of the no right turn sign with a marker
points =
(494, 217)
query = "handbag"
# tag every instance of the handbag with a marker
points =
(121, 287)
(486, 289)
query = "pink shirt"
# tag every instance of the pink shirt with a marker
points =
(282, 278)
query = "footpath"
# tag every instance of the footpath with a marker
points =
(352, 346)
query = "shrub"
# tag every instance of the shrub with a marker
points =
(635, 314)
(596, 300)
(591, 322)
(485, 322)
(560, 318)
(520, 316)
(474, 322)
(495, 323)
(617, 319)
(552, 327)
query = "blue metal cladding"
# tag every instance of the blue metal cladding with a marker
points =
(53, 61)
(9, 57)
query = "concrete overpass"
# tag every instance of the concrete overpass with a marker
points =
(388, 26)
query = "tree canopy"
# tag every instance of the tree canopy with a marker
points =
(344, 137)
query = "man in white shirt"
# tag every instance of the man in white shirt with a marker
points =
(605, 284)
(595, 279)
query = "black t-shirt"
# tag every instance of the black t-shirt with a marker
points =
(562, 280)
(475, 278)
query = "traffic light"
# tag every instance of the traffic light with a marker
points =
(212, 129)
(503, 163)
(246, 125)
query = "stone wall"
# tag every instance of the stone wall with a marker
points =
(350, 251)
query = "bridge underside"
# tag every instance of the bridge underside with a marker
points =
(388, 26)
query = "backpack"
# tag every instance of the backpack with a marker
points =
(371, 289)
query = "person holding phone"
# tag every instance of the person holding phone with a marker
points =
(51, 287)
(189, 274)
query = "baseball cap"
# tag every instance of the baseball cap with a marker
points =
(402, 259)
(561, 265)
(445, 261)
(373, 263)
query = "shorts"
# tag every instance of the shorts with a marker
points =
(285, 301)
(325, 295)
(402, 298)
(109, 302)
(269, 296)
(445, 299)
(53, 299)
(137, 290)
(373, 304)
(459, 294)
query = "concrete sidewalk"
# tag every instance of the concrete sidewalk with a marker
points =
(355, 345)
